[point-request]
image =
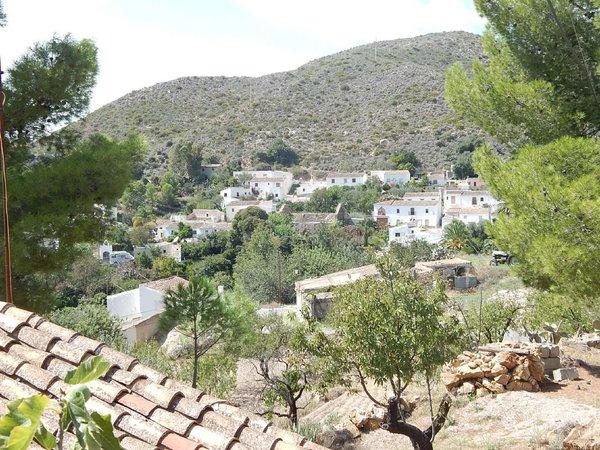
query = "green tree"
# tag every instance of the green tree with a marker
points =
(540, 81)
(56, 181)
(280, 153)
(184, 231)
(456, 235)
(463, 166)
(165, 267)
(92, 320)
(140, 235)
(203, 316)
(551, 222)
(185, 159)
(489, 320)
(374, 314)
(286, 368)
(406, 160)
(245, 222)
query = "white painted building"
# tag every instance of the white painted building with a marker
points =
(138, 309)
(463, 198)
(468, 215)
(306, 188)
(269, 188)
(208, 215)
(161, 249)
(233, 193)
(250, 174)
(233, 208)
(165, 229)
(393, 177)
(427, 213)
(345, 179)
(201, 228)
(439, 177)
(405, 234)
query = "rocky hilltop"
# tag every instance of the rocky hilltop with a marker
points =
(344, 111)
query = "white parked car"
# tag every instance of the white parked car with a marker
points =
(119, 257)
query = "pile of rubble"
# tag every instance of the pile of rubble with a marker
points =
(500, 367)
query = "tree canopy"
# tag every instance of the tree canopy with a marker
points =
(57, 182)
(540, 81)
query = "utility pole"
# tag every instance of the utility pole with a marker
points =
(8, 289)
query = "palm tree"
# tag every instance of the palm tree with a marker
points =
(456, 235)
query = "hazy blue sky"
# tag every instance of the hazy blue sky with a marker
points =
(142, 42)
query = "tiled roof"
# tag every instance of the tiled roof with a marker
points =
(164, 284)
(148, 409)
(407, 202)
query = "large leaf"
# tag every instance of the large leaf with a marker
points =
(104, 433)
(45, 438)
(19, 426)
(89, 370)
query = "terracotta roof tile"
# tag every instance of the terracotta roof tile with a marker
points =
(33, 355)
(286, 436)
(86, 343)
(282, 445)
(157, 393)
(66, 351)
(117, 358)
(59, 367)
(36, 338)
(175, 442)
(148, 409)
(9, 364)
(210, 438)
(137, 403)
(36, 376)
(146, 430)
(123, 377)
(131, 443)
(172, 420)
(149, 373)
(256, 440)
(215, 421)
(4, 306)
(56, 330)
(10, 324)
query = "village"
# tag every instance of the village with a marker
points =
(258, 225)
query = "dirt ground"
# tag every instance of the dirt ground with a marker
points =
(514, 420)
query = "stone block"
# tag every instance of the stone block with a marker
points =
(551, 364)
(565, 373)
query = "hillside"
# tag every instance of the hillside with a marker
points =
(343, 111)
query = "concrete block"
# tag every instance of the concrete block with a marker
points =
(565, 373)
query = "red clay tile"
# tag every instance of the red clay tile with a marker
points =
(188, 391)
(148, 372)
(106, 391)
(172, 420)
(226, 425)
(33, 355)
(255, 439)
(157, 393)
(141, 428)
(84, 342)
(10, 324)
(69, 352)
(36, 338)
(137, 403)
(12, 389)
(20, 314)
(210, 438)
(56, 330)
(5, 340)
(131, 443)
(173, 441)
(9, 364)
(117, 358)
(58, 366)
(36, 376)
(123, 376)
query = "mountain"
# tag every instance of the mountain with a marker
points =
(344, 111)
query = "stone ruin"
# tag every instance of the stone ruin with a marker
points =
(501, 367)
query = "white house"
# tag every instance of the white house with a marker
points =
(462, 198)
(394, 212)
(162, 249)
(422, 196)
(250, 174)
(201, 228)
(405, 234)
(233, 208)
(234, 193)
(468, 215)
(395, 177)
(139, 309)
(345, 179)
(274, 188)
(208, 215)
(104, 251)
(439, 177)
(165, 228)
(306, 188)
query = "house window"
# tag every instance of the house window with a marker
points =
(225, 194)
(412, 211)
(452, 200)
(397, 234)
(481, 199)
(237, 194)
(354, 180)
(474, 201)
(255, 184)
(426, 211)
(277, 195)
(345, 180)
(398, 211)
(474, 183)
(277, 184)
(332, 181)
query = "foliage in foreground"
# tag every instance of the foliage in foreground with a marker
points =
(22, 425)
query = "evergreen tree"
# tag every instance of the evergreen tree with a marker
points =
(56, 181)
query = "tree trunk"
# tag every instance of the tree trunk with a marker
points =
(293, 414)
(195, 368)
(419, 440)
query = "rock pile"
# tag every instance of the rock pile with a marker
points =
(500, 367)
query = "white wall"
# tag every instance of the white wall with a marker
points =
(151, 301)
(124, 305)
(423, 215)
(468, 199)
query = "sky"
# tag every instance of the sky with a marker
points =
(143, 42)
